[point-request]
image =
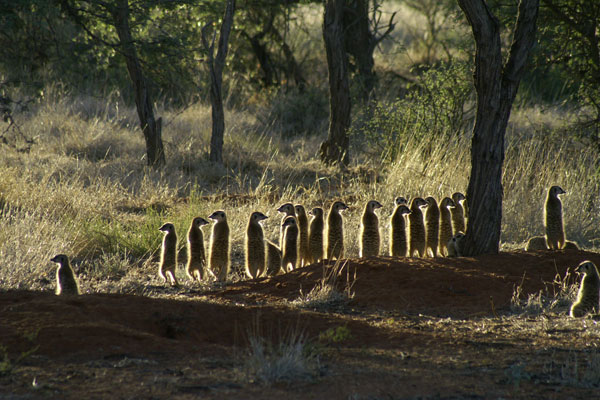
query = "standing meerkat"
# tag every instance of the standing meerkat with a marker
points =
(315, 235)
(458, 213)
(255, 246)
(369, 231)
(218, 258)
(445, 224)
(302, 220)
(432, 227)
(273, 258)
(287, 210)
(416, 228)
(588, 296)
(335, 231)
(455, 245)
(66, 283)
(196, 256)
(289, 260)
(168, 254)
(398, 243)
(555, 234)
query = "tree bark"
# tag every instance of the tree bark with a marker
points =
(360, 43)
(335, 148)
(151, 127)
(216, 65)
(496, 88)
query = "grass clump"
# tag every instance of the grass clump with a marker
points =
(326, 295)
(554, 298)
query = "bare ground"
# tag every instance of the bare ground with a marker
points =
(417, 328)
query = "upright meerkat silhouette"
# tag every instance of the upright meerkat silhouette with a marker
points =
(255, 246)
(445, 224)
(588, 295)
(304, 249)
(553, 221)
(432, 226)
(218, 258)
(196, 255)
(398, 241)
(168, 254)
(66, 283)
(287, 210)
(416, 228)
(335, 231)
(370, 241)
(273, 259)
(289, 260)
(458, 213)
(315, 235)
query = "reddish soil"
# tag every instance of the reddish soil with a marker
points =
(424, 328)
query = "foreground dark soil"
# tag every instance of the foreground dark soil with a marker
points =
(418, 328)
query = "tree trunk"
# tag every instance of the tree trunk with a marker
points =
(216, 65)
(151, 127)
(335, 148)
(496, 88)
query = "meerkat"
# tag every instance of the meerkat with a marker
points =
(398, 245)
(66, 283)
(458, 213)
(416, 228)
(455, 245)
(218, 258)
(315, 235)
(555, 235)
(400, 201)
(588, 296)
(445, 224)
(289, 259)
(432, 227)
(536, 243)
(255, 246)
(335, 231)
(273, 258)
(570, 245)
(196, 256)
(168, 254)
(369, 231)
(303, 248)
(287, 210)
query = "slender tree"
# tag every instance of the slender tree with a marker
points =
(215, 66)
(496, 85)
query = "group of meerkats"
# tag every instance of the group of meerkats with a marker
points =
(440, 231)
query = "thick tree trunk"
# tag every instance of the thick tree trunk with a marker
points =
(216, 65)
(335, 148)
(496, 90)
(151, 127)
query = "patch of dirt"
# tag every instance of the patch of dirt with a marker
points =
(427, 328)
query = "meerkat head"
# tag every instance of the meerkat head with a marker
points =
(60, 259)
(447, 202)
(299, 209)
(586, 267)
(400, 200)
(289, 221)
(556, 190)
(458, 197)
(287, 209)
(257, 217)
(167, 228)
(418, 202)
(199, 222)
(373, 205)
(403, 209)
(218, 216)
(430, 201)
(339, 206)
(317, 212)
(458, 237)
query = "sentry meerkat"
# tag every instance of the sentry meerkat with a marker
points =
(588, 296)
(432, 227)
(196, 256)
(570, 245)
(335, 231)
(255, 246)
(168, 254)
(369, 231)
(218, 258)
(287, 210)
(303, 247)
(400, 201)
(458, 213)
(445, 224)
(273, 258)
(66, 283)
(536, 243)
(289, 260)
(455, 245)
(555, 235)
(398, 245)
(416, 228)
(315, 235)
